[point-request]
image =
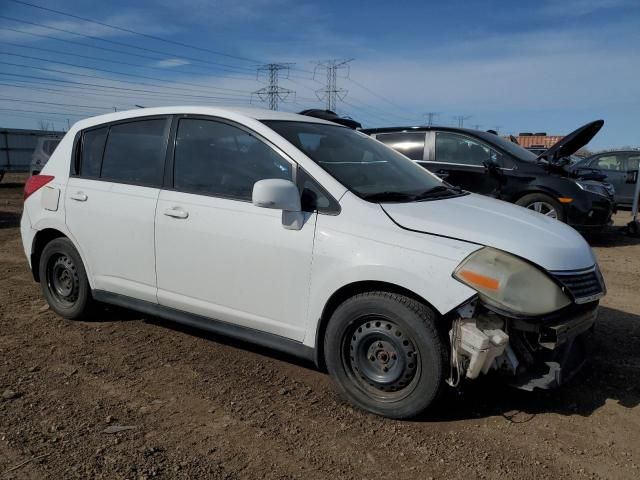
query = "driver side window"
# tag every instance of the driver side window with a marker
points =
(462, 150)
(215, 158)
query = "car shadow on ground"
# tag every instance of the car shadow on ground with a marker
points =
(609, 375)
(612, 237)
(9, 219)
(10, 185)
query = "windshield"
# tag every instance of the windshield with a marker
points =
(510, 147)
(365, 166)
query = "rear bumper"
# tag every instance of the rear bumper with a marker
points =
(27, 233)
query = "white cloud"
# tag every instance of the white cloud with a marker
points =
(171, 63)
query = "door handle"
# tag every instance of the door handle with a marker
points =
(79, 197)
(176, 212)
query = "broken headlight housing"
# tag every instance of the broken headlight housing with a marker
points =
(511, 284)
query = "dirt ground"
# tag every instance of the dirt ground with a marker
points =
(201, 406)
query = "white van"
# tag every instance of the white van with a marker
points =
(45, 146)
(313, 239)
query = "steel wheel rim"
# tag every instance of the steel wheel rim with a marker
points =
(62, 279)
(544, 208)
(381, 358)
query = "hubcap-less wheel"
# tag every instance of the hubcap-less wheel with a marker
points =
(544, 208)
(381, 359)
(62, 279)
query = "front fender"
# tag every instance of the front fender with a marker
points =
(341, 258)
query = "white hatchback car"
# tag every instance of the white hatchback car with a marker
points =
(314, 239)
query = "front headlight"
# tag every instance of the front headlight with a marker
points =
(509, 283)
(593, 188)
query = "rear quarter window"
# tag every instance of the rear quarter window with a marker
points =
(91, 150)
(410, 144)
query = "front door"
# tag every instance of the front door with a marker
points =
(466, 162)
(218, 255)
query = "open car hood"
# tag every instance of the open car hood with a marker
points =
(572, 142)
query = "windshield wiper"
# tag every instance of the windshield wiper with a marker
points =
(389, 196)
(439, 191)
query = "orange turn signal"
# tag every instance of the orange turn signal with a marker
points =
(565, 199)
(480, 280)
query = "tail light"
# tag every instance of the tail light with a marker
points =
(35, 183)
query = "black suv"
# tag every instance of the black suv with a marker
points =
(485, 163)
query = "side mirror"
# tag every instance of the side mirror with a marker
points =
(282, 195)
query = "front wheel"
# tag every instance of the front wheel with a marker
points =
(384, 353)
(64, 280)
(543, 204)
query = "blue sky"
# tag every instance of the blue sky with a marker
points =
(524, 66)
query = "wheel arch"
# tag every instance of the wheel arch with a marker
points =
(349, 290)
(40, 240)
(534, 190)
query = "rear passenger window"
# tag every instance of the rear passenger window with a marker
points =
(410, 144)
(218, 159)
(135, 152)
(92, 148)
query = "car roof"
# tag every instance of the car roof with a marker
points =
(420, 128)
(632, 151)
(226, 112)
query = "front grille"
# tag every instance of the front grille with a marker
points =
(584, 286)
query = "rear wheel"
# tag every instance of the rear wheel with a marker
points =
(384, 353)
(64, 280)
(543, 204)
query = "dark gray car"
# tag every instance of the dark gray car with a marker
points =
(620, 168)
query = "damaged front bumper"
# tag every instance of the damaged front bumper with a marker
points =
(543, 352)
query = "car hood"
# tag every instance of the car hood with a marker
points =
(572, 142)
(473, 218)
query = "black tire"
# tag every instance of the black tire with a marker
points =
(376, 330)
(64, 280)
(530, 200)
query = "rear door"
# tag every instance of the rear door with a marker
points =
(218, 255)
(111, 200)
(462, 161)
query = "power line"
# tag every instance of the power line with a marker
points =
(107, 79)
(225, 67)
(430, 116)
(460, 119)
(331, 93)
(21, 100)
(181, 44)
(58, 52)
(121, 52)
(390, 102)
(93, 90)
(110, 87)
